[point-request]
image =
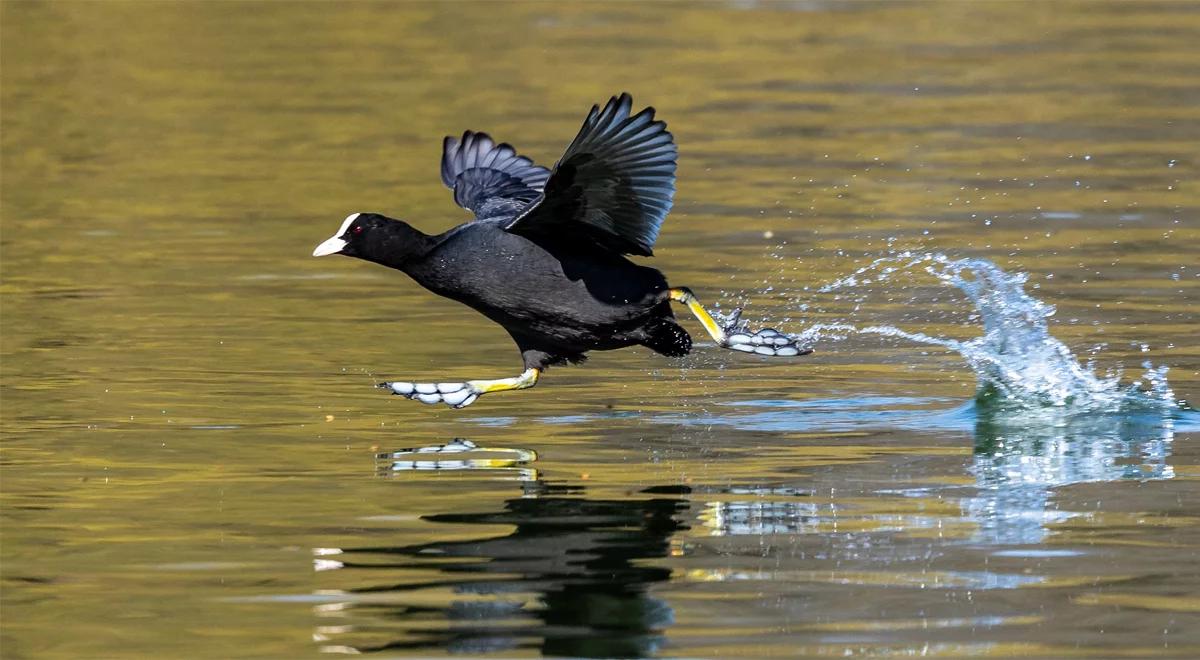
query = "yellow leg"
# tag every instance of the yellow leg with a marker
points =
(684, 295)
(461, 395)
(734, 335)
(527, 379)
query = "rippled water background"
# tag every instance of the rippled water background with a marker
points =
(196, 465)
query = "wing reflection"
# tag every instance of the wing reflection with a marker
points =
(567, 580)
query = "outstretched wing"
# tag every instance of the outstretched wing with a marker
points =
(489, 179)
(615, 184)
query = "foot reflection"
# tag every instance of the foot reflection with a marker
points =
(772, 510)
(567, 580)
(460, 454)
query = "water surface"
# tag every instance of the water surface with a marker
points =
(196, 464)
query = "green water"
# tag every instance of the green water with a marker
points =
(191, 435)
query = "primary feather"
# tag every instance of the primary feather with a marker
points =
(615, 184)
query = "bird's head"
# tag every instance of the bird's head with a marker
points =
(357, 237)
(376, 238)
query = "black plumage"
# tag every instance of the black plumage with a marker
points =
(544, 256)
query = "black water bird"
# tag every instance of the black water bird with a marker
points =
(568, 576)
(544, 256)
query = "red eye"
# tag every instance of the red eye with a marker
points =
(356, 230)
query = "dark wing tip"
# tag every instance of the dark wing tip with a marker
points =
(616, 180)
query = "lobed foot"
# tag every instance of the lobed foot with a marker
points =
(455, 395)
(767, 341)
(461, 395)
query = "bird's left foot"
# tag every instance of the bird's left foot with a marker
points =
(460, 395)
(455, 395)
(767, 341)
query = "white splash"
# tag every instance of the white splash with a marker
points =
(1016, 360)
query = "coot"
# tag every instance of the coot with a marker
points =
(545, 255)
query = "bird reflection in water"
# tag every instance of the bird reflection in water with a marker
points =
(568, 580)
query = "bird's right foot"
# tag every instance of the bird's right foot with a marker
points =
(767, 341)
(732, 333)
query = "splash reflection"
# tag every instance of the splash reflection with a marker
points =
(1021, 458)
(567, 580)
